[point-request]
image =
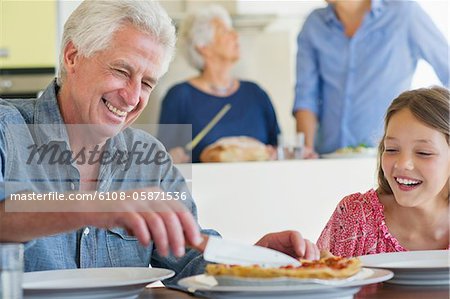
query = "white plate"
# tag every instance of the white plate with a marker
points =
(91, 282)
(426, 267)
(369, 152)
(207, 285)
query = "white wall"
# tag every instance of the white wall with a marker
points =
(244, 201)
(439, 10)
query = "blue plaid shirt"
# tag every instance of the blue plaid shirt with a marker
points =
(88, 247)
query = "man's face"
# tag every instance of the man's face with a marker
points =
(111, 88)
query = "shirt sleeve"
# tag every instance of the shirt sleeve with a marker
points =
(342, 235)
(173, 131)
(428, 42)
(307, 71)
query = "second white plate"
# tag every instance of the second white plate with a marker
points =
(425, 267)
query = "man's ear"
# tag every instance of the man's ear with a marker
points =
(70, 56)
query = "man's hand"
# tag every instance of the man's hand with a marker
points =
(291, 243)
(167, 223)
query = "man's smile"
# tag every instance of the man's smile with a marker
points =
(115, 110)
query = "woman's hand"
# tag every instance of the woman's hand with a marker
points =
(309, 153)
(179, 155)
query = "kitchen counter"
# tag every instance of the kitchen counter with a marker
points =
(243, 201)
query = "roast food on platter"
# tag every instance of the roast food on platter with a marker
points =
(235, 149)
(330, 267)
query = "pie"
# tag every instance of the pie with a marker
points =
(332, 267)
(235, 149)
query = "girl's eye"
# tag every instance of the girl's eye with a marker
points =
(425, 154)
(390, 150)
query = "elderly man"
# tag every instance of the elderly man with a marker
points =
(113, 54)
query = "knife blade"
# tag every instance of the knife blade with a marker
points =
(229, 252)
(190, 146)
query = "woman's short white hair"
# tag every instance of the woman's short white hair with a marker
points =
(93, 23)
(197, 31)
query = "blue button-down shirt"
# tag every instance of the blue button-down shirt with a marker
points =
(348, 83)
(88, 247)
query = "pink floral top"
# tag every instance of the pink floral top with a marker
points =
(358, 227)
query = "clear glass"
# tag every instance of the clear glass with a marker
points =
(299, 145)
(11, 270)
(281, 155)
(284, 148)
(291, 148)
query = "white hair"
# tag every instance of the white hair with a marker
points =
(93, 23)
(198, 31)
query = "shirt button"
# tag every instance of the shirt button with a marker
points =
(86, 231)
(72, 186)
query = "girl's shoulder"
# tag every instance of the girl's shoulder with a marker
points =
(363, 207)
(363, 201)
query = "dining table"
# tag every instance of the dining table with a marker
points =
(372, 291)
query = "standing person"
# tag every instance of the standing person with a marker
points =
(75, 140)
(212, 47)
(353, 58)
(410, 208)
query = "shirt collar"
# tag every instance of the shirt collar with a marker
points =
(330, 15)
(376, 9)
(50, 124)
(48, 119)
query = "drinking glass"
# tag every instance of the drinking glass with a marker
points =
(11, 270)
(299, 145)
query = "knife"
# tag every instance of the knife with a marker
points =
(190, 146)
(223, 251)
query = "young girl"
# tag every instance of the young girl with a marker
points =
(410, 208)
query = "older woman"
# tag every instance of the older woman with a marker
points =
(212, 47)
